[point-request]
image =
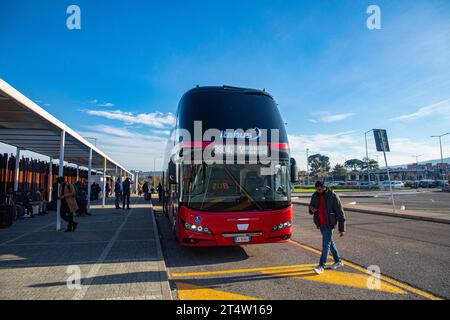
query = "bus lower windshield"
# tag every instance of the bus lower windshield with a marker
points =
(234, 187)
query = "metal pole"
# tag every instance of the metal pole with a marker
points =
(78, 172)
(50, 179)
(89, 180)
(137, 182)
(387, 170)
(440, 146)
(62, 143)
(390, 184)
(6, 173)
(114, 182)
(307, 165)
(442, 158)
(367, 158)
(16, 173)
(104, 184)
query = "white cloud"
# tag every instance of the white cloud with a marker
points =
(440, 108)
(134, 150)
(329, 117)
(154, 119)
(163, 132)
(107, 104)
(94, 101)
(125, 133)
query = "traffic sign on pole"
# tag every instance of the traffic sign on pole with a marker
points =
(381, 140)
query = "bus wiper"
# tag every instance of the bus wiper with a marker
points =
(247, 194)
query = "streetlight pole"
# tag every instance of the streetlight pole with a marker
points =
(307, 165)
(367, 156)
(442, 158)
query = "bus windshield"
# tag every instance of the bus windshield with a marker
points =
(234, 187)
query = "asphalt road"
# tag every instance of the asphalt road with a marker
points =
(413, 257)
(436, 201)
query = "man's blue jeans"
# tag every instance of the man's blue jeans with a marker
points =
(327, 244)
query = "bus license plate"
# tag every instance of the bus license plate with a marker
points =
(242, 239)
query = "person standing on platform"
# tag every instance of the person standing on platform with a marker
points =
(118, 192)
(160, 192)
(145, 189)
(68, 204)
(126, 190)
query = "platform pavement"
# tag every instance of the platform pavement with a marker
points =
(117, 251)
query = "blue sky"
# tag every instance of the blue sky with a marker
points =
(121, 76)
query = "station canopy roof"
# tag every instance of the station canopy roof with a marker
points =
(25, 125)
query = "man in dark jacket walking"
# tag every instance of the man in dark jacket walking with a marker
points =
(327, 210)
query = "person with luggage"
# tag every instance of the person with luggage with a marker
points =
(69, 207)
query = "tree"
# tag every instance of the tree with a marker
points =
(372, 164)
(354, 164)
(319, 164)
(339, 171)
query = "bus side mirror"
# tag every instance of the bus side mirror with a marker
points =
(172, 173)
(294, 171)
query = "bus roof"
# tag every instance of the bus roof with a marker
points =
(230, 89)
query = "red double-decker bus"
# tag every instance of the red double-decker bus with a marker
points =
(238, 201)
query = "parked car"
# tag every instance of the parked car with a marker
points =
(440, 183)
(409, 183)
(426, 183)
(368, 185)
(333, 184)
(394, 184)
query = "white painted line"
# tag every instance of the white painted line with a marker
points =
(79, 295)
(165, 287)
(26, 234)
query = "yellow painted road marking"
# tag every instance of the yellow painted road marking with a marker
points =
(247, 270)
(384, 278)
(299, 271)
(339, 278)
(303, 272)
(191, 292)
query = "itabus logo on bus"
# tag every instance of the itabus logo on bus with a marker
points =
(252, 134)
(230, 146)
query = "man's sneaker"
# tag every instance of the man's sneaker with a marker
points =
(318, 270)
(337, 265)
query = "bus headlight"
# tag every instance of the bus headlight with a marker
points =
(195, 228)
(282, 226)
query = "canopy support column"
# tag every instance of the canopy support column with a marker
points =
(16, 173)
(89, 181)
(136, 182)
(62, 144)
(104, 184)
(50, 180)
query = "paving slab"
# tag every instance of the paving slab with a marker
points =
(116, 252)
